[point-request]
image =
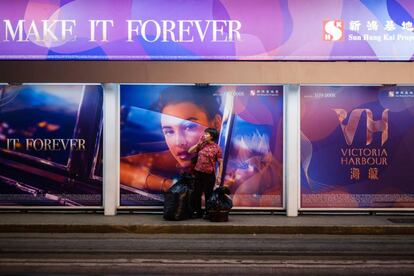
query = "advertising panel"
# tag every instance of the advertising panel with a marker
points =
(159, 123)
(357, 147)
(50, 145)
(207, 30)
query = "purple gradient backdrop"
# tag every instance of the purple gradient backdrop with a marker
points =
(325, 183)
(271, 29)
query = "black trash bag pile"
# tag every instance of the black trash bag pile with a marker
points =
(178, 199)
(220, 200)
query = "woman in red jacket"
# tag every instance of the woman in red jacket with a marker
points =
(208, 154)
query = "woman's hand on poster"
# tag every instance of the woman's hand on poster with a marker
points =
(140, 177)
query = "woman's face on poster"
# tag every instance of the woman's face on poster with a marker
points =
(183, 124)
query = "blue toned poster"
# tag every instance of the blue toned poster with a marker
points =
(159, 123)
(50, 153)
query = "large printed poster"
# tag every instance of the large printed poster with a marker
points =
(50, 145)
(207, 30)
(159, 123)
(357, 147)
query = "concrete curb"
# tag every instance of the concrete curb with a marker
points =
(207, 229)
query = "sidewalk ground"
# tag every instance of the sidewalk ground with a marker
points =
(238, 224)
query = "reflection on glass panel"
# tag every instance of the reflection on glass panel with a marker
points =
(49, 112)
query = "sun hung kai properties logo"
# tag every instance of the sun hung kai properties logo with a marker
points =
(333, 30)
(356, 30)
(402, 93)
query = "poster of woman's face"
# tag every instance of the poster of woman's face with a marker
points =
(159, 123)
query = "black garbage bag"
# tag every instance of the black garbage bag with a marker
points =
(178, 199)
(220, 200)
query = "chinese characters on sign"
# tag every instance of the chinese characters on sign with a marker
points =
(369, 30)
(355, 174)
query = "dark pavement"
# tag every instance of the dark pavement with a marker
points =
(201, 254)
(261, 244)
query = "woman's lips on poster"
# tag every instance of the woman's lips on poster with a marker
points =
(184, 155)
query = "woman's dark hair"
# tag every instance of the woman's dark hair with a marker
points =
(202, 96)
(213, 132)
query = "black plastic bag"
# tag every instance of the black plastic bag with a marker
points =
(220, 200)
(178, 199)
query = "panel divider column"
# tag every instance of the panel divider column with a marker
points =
(111, 148)
(292, 149)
